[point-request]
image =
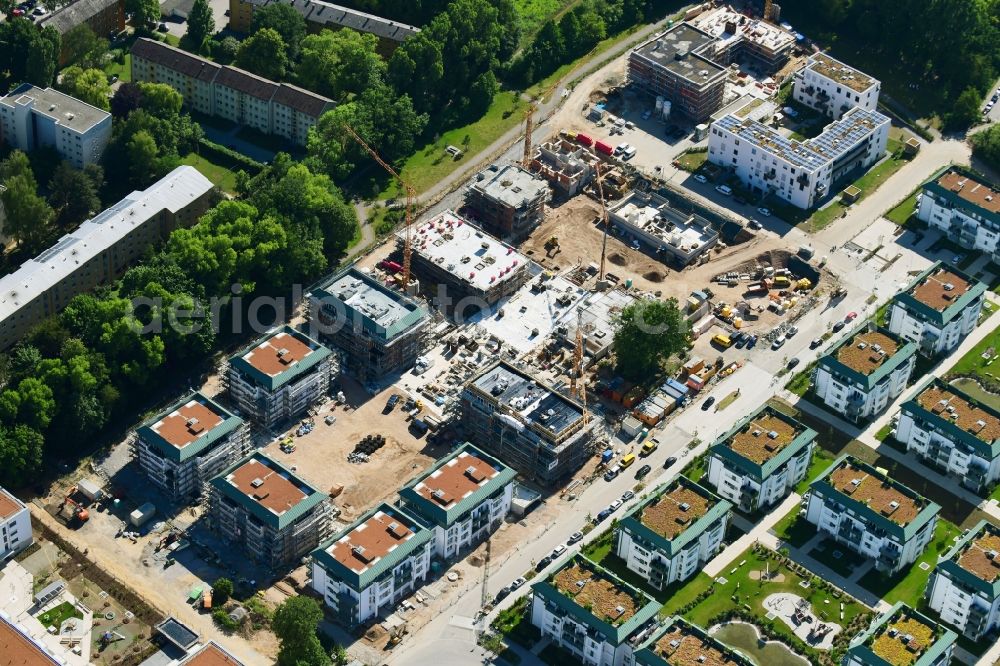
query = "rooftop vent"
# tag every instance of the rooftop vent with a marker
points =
(619, 610)
(257, 483)
(757, 433)
(359, 552)
(685, 506)
(948, 286)
(674, 644)
(580, 584)
(773, 434)
(862, 345)
(992, 555)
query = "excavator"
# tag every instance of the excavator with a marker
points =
(80, 515)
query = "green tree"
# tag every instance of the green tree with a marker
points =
(222, 589)
(201, 24)
(144, 12)
(17, 164)
(43, 57)
(283, 19)
(341, 62)
(142, 157)
(224, 50)
(20, 455)
(160, 100)
(264, 53)
(73, 194)
(83, 47)
(986, 146)
(648, 332)
(127, 98)
(417, 69)
(965, 112)
(295, 624)
(29, 216)
(89, 85)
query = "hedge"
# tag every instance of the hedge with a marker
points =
(228, 157)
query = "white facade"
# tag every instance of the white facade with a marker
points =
(32, 117)
(930, 444)
(965, 586)
(833, 88)
(15, 526)
(965, 208)
(473, 528)
(644, 558)
(970, 611)
(846, 397)
(934, 337)
(938, 309)
(735, 485)
(564, 630)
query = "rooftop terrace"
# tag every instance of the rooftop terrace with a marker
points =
(680, 50)
(674, 511)
(981, 557)
(191, 421)
(590, 588)
(763, 438)
(967, 188)
(939, 399)
(534, 403)
(375, 538)
(879, 493)
(867, 351)
(841, 73)
(940, 289)
(279, 357)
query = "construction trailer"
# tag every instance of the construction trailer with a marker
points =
(509, 201)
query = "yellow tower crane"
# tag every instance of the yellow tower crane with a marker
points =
(604, 216)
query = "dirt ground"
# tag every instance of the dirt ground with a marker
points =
(320, 457)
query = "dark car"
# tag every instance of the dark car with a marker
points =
(391, 402)
(643, 471)
(603, 514)
(669, 461)
(501, 595)
(839, 325)
(741, 340)
(709, 401)
(754, 224)
(740, 200)
(792, 362)
(815, 343)
(542, 563)
(574, 537)
(753, 342)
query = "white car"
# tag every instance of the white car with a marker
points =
(700, 178)
(558, 550)
(764, 211)
(778, 343)
(724, 189)
(621, 148)
(614, 506)
(516, 583)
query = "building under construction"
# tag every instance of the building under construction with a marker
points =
(568, 166)
(527, 425)
(678, 238)
(470, 269)
(268, 511)
(740, 37)
(595, 315)
(184, 446)
(508, 201)
(378, 329)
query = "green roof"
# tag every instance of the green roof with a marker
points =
(438, 514)
(359, 581)
(722, 449)
(830, 361)
(646, 655)
(927, 513)
(946, 426)
(632, 521)
(949, 562)
(388, 312)
(279, 522)
(940, 317)
(647, 609)
(940, 192)
(274, 382)
(861, 648)
(230, 422)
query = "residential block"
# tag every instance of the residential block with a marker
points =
(902, 637)
(938, 309)
(833, 88)
(964, 589)
(679, 643)
(509, 201)
(964, 206)
(15, 526)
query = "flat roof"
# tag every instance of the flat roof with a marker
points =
(9, 505)
(605, 597)
(177, 633)
(457, 479)
(371, 540)
(535, 403)
(279, 357)
(386, 309)
(903, 639)
(212, 654)
(189, 422)
(469, 254)
(266, 489)
(719, 22)
(681, 645)
(17, 648)
(763, 437)
(675, 510)
(655, 216)
(326, 13)
(866, 351)
(837, 71)
(511, 185)
(981, 557)
(968, 188)
(940, 289)
(67, 111)
(878, 493)
(680, 50)
(939, 399)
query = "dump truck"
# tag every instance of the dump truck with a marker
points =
(758, 288)
(782, 282)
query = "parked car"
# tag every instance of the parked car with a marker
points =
(792, 362)
(643, 471)
(740, 200)
(614, 506)
(646, 114)
(558, 550)
(544, 562)
(779, 341)
(611, 473)
(627, 495)
(516, 583)
(754, 224)
(700, 178)
(724, 189)
(815, 343)
(792, 330)
(851, 316)
(502, 594)
(766, 212)
(603, 514)
(839, 325)
(574, 537)
(669, 461)
(753, 342)
(709, 401)
(391, 402)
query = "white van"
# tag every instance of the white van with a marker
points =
(724, 189)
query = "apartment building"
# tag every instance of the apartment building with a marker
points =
(938, 310)
(591, 613)
(965, 207)
(320, 14)
(859, 506)
(679, 643)
(803, 173)
(209, 654)
(677, 238)
(673, 533)
(279, 376)
(15, 526)
(183, 447)
(761, 460)
(100, 250)
(953, 432)
(21, 647)
(273, 515)
(567, 165)
(864, 372)
(765, 45)
(104, 17)
(33, 118)
(902, 636)
(363, 572)
(529, 426)
(833, 88)
(464, 498)
(508, 201)
(378, 330)
(230, 93)
(964, 589)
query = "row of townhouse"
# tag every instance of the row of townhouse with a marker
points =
(365, 570)
(228, 92)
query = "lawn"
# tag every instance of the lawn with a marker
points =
(54, 617)
(800, 383)
(696, 468)
(909, 585)
(794, 529)
(692, 160)
(821, 459)
(977, 362)
(902, 213)
(221, 176)
(123, 70)
(599, 548)
(534, 13)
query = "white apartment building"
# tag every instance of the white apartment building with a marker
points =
(902, 636)
(15, 526)
(761, 460)
(671, 535)
(100, 250)
(33, 117)
(183, 447)
(464, 498)
(953, 432)
(231, 93)
(591, 613)
(802, 173)
(866, 371)
(965, 207)
(364, 571)
(938, 310)
(280, 376)
(964, 589)
(833, 88)
(856, 505)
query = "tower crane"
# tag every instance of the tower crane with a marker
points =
(768, 8)
(411, 200)
(604, 215)
(577, 383)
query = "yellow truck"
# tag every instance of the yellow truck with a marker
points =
(649, 446)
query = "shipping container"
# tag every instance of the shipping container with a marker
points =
(90, 490)
(584, 139)
(141, 516)
(602, 147)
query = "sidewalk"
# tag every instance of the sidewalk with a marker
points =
(736, 548)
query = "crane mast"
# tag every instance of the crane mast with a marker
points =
(604, 215)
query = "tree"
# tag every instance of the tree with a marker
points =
(264, 54)
(341, 62)
(648, 332)
(144, 12)
(142, 157)
(74, 194)
(966, 110)
(28, 215)
(43, 57)
(20, 455)
(126, 99)
(986, 146)
(89, 85)
(17, 164)
(283, 19)
(201, 24)
(83, 47)
(295, 623)
(222, 589)
(224, 50)
(160, 100)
